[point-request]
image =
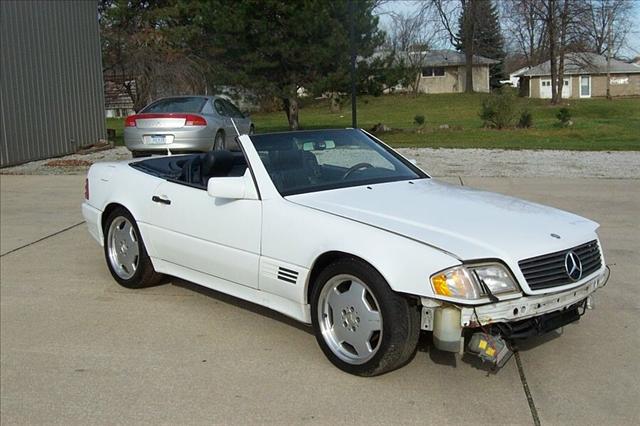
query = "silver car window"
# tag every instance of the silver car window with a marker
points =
(220, 109)
(232, 110)
(207, 108)
(186, 104)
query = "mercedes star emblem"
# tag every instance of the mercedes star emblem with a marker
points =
(573, 266)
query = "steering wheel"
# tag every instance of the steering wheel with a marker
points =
(352, 169)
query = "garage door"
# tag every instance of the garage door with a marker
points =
(545, 88)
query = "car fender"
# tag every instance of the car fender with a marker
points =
(405, 264)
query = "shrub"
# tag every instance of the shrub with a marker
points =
(419, 119)
(564, 115)
(526, 119)
(498, 109)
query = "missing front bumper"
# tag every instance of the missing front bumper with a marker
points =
(516, 310)
(542, 324)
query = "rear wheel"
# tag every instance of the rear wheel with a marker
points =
(125, 252)
(361, 325)
(218, 141)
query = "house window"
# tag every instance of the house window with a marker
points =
(433, 71)
(585, 86)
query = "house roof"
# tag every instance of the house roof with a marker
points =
(584, 63)
(438, 58)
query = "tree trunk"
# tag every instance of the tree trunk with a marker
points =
(553, 50)
(415, 87)
(334, 102)
(610, 23)
(468, 57)
(564, 22)
(469, 30)
(291, 109)
(560, 80)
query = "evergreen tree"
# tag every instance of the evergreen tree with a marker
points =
(278, 47)
(487, 36)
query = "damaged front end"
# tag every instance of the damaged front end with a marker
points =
(488, 331)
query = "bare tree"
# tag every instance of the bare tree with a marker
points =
(410, 38)
(526, 34)
(607, 25)
(563, 20)
(449, 11)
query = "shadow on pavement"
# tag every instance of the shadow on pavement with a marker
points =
(243, 304)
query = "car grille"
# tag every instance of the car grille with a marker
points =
(549, 270)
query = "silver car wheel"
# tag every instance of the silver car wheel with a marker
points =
(123, 247)
(350, 319)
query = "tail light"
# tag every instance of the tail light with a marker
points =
(130, 121)
(189, 119)
(194, 120)
(86, 189)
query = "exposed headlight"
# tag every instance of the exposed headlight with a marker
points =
(473, 281)
(495, 277)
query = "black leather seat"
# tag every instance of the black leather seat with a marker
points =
(215, 164)
(288, 169)
(201, 168)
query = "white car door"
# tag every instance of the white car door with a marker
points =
(219, 237)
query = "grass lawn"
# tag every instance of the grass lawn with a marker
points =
(599, 124)
(118, 125)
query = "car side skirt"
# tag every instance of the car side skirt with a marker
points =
(280, 304)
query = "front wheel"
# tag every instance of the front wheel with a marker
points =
(361, 325)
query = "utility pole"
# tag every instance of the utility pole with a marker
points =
(352, 37)
(609, 25)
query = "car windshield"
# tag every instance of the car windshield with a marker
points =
(186, 104)
(308, 161)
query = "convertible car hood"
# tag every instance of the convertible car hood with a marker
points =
(468, 223)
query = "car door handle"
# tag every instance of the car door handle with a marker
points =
(157, 199)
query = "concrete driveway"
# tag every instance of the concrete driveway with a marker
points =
(78, 349)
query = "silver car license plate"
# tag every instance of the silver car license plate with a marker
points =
(157, 139)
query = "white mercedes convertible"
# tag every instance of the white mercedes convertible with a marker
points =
(336, 229)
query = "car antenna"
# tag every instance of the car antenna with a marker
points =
(235, 127)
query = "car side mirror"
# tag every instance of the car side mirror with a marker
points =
(232, 188)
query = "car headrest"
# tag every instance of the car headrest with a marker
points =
(217, 163)
(286, 160)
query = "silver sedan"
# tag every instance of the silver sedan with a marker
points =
(185, 124)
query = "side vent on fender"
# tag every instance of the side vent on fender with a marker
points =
(287, 275)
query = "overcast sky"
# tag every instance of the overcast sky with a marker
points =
(401, 6)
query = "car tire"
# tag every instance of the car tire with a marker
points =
(218, 141)
(347, 297)
(125, 253)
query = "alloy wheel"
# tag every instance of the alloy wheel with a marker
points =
(350, 319)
